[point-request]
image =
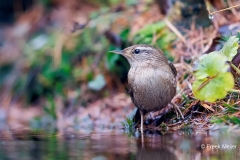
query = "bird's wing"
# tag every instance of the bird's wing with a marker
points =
(173, 68)
(130, 91)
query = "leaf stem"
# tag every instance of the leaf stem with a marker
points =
(235, 68)
(206, 82)
(235, 90)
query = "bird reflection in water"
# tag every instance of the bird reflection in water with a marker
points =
(154, 147)
(155, 154)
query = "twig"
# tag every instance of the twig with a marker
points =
(232, 9)
(57, 53)
(229, 8)
(235, 68)
(177, 108)
(174, 29)
(235, 91)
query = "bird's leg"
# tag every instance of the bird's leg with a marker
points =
(177, 108)
(141, 121)
(137, 118)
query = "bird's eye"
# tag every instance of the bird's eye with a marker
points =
(136, 51)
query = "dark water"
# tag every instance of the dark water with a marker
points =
(111, 145)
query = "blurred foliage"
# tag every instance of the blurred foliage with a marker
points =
(105, 3)
(129, 127)
(51, 108)
(44, 78)
(157, 35)
(228, 119)
(226, 38)
(128, 124)
(77, 66)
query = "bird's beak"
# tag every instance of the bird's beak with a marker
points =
(117, 51)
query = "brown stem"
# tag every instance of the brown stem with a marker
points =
(206, 82)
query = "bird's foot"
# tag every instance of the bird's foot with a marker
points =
(177, 110)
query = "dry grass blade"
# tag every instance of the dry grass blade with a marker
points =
(229, 8)
(175, 30)
(207, 107)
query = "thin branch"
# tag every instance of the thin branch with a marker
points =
(229, 8)
(175, 30)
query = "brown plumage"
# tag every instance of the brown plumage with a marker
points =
(151, 78)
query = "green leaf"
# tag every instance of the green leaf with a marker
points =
(210, 65)
(50, 109)
(45, 2)
(216, 88)
(216, 120)
(212, 79)
(129, 123)
(230, 48)
(124, 34)
(111, 60)
(151, 28)
(226, 118)
(131, 2)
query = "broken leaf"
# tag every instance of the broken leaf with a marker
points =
(230, 48)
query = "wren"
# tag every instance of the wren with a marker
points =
(151, 78)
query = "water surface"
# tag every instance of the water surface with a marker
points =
(117, 145)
